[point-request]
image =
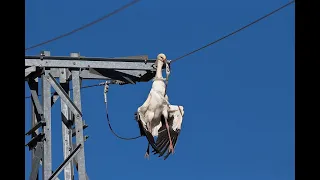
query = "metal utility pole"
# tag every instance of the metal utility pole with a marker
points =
(74, 69)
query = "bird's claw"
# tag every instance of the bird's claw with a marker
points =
(147, 156)
(171, 149)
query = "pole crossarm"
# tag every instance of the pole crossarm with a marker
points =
(125, 63)
(130, 69)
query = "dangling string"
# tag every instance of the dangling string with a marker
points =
(106, 89)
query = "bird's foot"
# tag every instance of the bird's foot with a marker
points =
(147, 156)
(171, 149)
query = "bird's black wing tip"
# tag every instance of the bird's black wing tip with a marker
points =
(148, 135)
(163, 142)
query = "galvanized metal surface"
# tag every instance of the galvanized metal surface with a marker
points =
(29, 70)
(70, 69)
(58, 63)
(63, 95)
(79, 125)
(65, 162)
(36, 154)
(66, 131)
(47, 154)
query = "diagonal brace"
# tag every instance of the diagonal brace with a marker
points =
(29, 70)
(33, 142)
(35, 127)
(65, 162)
(76, 162)
(63, 95)
(34, 95)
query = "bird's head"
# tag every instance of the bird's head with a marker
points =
(161, 59)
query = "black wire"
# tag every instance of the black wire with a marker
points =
(84, 26)
(95, 85)
(213, 41)
(234, 32)
(115, 132)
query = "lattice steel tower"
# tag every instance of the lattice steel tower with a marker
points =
(58, 72)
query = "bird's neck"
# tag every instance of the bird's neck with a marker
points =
(159, 70)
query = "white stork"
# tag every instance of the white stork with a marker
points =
(156, 105)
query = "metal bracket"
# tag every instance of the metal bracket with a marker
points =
(34, 128)
(33, 142)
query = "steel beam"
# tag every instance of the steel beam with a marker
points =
(83, 63)
(33, 142)
(75, 162)
(29, 70)
(34, 95)
(125, 69)
(92, 73)
(33, 151)
(35, 127)
(37, 156)
(66, 131)
(65, 162)
(63, 95)
(47, 150)
(79, 124)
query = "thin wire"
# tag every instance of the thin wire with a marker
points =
(84, 26)
(211, 42)
(234, 32)
(132, 138)
(224, 37)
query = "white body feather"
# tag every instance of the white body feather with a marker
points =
(177, 115)
(156, 103)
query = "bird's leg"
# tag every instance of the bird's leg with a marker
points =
(149, 127)
(147, 153)
(165, 114)
(149, 116)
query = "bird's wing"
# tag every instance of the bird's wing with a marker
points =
(144, 132)
(163, 142)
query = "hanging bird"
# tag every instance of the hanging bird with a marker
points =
(149, 114)
(175, 117)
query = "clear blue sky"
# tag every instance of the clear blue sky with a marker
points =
(238, 94)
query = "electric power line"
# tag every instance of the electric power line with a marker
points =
(234, 32)
(84, 26)
(185, 55)
(224, 37)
